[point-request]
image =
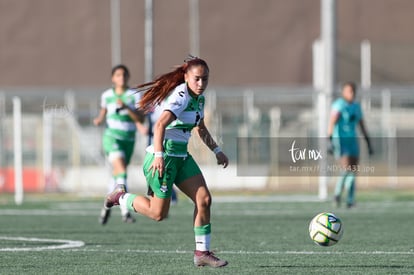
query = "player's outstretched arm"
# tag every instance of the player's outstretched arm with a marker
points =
(136, 114)
(208, 140)
(159, 133)
(100, 118)
(365, 133)
(333, 119)
(142, 129)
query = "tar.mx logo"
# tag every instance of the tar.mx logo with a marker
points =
(304, 153)
(56, 110)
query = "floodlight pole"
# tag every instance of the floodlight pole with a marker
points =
(365, 64)
(328, 35)
(2, 118)
(47, 147)
(149, 31)
(115, 32)
(194, 27)
(18, 155)
(366, 73)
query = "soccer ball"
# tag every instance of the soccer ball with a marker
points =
(326, 229)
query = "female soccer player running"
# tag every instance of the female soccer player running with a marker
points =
(118, 108)
(180, 93)
(345, 116)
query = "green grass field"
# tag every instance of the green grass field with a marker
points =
(256, 234)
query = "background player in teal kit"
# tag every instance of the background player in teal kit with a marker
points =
(118, 110)
(167, 162)
(346, 114)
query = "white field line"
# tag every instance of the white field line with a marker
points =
(41, 212)
(217, 212)
(62, 244)
(67, 209)
(241, 252)
(75, 246)
(86, 213)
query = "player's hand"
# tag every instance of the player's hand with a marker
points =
(331, 147)
(222, 159)
(120, 103)
(370, 150)
(157, 164)
(97, 121)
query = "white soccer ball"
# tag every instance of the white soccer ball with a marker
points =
(326, 229)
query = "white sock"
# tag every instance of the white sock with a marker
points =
(121, 181)
(203, 242)
(111, 185)
(123, 203)
(124, 209)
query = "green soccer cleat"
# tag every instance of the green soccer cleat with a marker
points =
(207, 258)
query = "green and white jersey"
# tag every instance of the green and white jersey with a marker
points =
(188, 111)
(119, 124)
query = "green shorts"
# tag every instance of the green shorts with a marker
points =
(176, 170)
(114, 148)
